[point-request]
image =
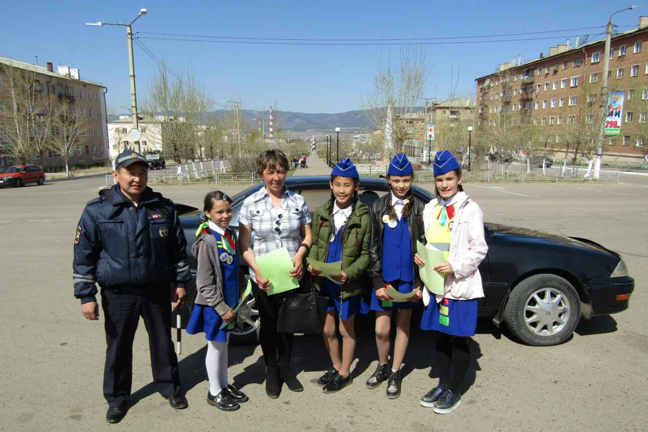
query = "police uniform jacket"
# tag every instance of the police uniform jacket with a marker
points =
(125, 248)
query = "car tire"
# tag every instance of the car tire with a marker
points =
(543, 310)
(41, 181)
(19, 183)
(248, 325)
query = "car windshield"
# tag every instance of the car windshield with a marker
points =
(13, 170)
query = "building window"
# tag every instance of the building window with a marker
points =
(91, 113)
(573, 82)
(639, 142)
(553, 103)
(629, 116)
(144, 143)
(563, 83)
(620, 73)
(622, 50)
(514, 92)
(626, 140)
(555, 85)
(552, 120)
(539, 86)
(544, 104)
(596, 57)
(572, 100)
(513, 107)
(124, 130)
(558, 139)
(92, 131)
(546, 86)
(565, 65)
(94, 149)
(637, 47)
(612, 142)
(535, 121)
(634, 71)
(547, 70)
(97, 96)
(537, 104)
(594, 77)
(561, 102)
(527, 105)
(589, 119)
(143, 129)
(631, 94)
(577, 62)
(83, 112)
(544, 121)
(591, 98)
(611, 53)
(643, 117)
(560, 120)
(571, 119)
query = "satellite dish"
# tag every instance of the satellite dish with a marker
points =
(134, 135)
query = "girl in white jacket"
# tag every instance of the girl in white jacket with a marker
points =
(453, 224)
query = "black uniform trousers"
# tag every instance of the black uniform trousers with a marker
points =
(121, 313)
(276, 347)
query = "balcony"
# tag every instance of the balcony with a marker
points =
(526, 96)
(63, 98)
(528, 79)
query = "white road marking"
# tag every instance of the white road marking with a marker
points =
(500, 189)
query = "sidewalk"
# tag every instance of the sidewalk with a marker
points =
(316, 167)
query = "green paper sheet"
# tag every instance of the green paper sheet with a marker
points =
(247, 292)
(434, 282)
(397, 296)
(276, 267)
(328, 269)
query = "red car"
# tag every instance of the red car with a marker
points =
(18, 175)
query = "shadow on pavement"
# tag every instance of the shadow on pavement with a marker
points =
(596, 325)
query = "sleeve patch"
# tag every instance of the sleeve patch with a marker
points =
(77, 238)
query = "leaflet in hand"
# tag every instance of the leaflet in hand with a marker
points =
(434, 281)
(247, 292)
(399, 297)
(276, 266)
(328, 269)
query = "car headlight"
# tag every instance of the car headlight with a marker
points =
(621, 270)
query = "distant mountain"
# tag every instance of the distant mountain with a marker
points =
(350, 121)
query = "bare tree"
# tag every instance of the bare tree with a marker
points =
(396, 95)
(26, 116)
(68, 132)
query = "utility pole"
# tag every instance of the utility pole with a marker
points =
(237, 117)
(604, 94)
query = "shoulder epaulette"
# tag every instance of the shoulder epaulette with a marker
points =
(99, 199)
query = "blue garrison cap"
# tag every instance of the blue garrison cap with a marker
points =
(345, 168)
(400, 166)
(444, 162)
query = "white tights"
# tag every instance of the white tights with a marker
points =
(216, 364)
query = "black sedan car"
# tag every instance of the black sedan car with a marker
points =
(538, 284)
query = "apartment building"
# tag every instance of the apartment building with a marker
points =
(150, 127)
(452, 111)
(63, 86)
(561, 94)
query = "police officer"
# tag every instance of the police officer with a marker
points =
(129, 241)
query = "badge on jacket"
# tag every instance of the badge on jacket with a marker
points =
(391, 223)
(77, 238)
(164, 232)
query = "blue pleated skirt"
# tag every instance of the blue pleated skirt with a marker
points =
(400, 286)
(460, 318)
(205, 319)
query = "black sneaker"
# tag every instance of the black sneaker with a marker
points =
(337, 383)
(380, 374)
(327, 377)
(222, 401)
(394, 385)
(447, 402)
(289, 377)
(433, 396)
(273, 382)
(236, 394)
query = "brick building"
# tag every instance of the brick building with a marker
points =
(51, 90)
(559, 96)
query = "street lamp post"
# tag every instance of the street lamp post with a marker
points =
(131, 64)
(330, 162)
(470, 129)
(337, 152)
(328, 148)
(604, 93)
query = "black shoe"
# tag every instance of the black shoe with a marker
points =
(394, 385)
(178, 402)
(116, 413)
(447, 402)
(327, 377)
(236, 394)
(290, 379)
(433, 396)
(273, 382)
(222, 401)
(337, 383)
(380, 374)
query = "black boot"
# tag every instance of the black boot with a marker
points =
(273, 381)
(380, 374)
(289, 377)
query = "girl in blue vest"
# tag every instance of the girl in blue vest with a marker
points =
(396, 226)
(218, 286)
(341, 233)
(454, 224)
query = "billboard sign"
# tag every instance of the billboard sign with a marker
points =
(614, 116)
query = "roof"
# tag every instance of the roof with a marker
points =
(129, 120)
(455, 103)
(525, 65)
(41, 70)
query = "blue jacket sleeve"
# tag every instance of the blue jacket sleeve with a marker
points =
(87, 248)
(183, 274)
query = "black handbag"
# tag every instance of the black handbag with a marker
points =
(302, 313)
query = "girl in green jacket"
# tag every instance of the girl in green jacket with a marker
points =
(341, 233)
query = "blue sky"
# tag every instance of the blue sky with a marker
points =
(300, 78)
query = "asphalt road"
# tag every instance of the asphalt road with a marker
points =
(52, 358)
